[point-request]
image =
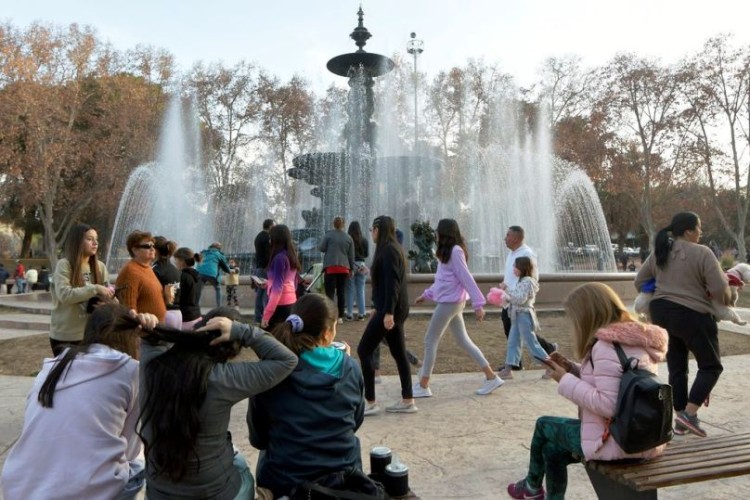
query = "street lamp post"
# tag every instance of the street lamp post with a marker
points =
(414, 47)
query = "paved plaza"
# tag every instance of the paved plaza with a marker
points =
(460, 445)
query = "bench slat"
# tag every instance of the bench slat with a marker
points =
(684, 462)
(695, 469)
(719, 472)
(689, 460)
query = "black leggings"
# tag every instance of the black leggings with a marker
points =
(279, 316)
(374, 333)
(689, 331)
(336, 283)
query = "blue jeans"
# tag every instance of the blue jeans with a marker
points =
(522, 331)
(247, 488)
(20, 285)
(261, 296)
(214, 282)
(355, 284)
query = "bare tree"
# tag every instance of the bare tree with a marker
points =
(642, 98)
(717, 84)
(564, 88)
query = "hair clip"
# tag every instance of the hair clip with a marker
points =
(296, 322)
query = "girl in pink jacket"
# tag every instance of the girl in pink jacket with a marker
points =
(599, 318)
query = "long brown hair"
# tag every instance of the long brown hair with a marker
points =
(176, 384)
(386, 237)
(73, 253)
(448, 236)
(590, 307)
(281, 239)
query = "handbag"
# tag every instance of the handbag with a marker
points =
(347, 484)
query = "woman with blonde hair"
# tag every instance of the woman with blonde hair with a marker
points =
(599, 320)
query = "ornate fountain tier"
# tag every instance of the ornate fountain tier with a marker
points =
(373, 64)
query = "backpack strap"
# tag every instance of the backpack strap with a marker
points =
(625, 361)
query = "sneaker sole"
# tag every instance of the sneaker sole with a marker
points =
(410, 410)
(479, 392)
(689, 426)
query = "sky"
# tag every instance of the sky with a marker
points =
(288, 37)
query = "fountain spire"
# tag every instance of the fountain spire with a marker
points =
(360, 35)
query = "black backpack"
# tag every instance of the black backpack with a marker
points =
(643, 416)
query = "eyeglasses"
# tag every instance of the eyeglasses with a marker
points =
(145, 246)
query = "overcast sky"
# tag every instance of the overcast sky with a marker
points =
(299, 36)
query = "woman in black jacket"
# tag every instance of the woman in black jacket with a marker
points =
(391, 302)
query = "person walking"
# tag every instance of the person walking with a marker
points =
(514, 240)
(355, 285)
(524, 323)
(262, 258)
(391, 303)
(212, 264)
(283, 269)
(689, 285)
(20, 277)
(338, 262)
(453, 285)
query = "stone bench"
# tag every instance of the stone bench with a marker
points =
(683, 462)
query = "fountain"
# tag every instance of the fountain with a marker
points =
(511, 178)
(169, 196)
(514, 179)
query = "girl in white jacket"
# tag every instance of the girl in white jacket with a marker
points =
(524, 323)
(78, 438)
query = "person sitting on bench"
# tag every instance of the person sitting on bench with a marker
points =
(599, 318)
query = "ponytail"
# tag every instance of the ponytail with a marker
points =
(314, 314)
(681, 222)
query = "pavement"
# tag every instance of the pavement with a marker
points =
(461, 445)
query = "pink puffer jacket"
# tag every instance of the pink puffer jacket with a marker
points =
(596, 391)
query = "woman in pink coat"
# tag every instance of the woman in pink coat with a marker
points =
(599, 318)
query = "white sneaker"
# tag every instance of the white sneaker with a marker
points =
(421, 392)
(340, 321)
(401, 407)
(371, 409)
(489, 386)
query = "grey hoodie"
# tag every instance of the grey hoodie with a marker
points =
(83, 446)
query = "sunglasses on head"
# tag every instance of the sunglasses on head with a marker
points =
(145, 246)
